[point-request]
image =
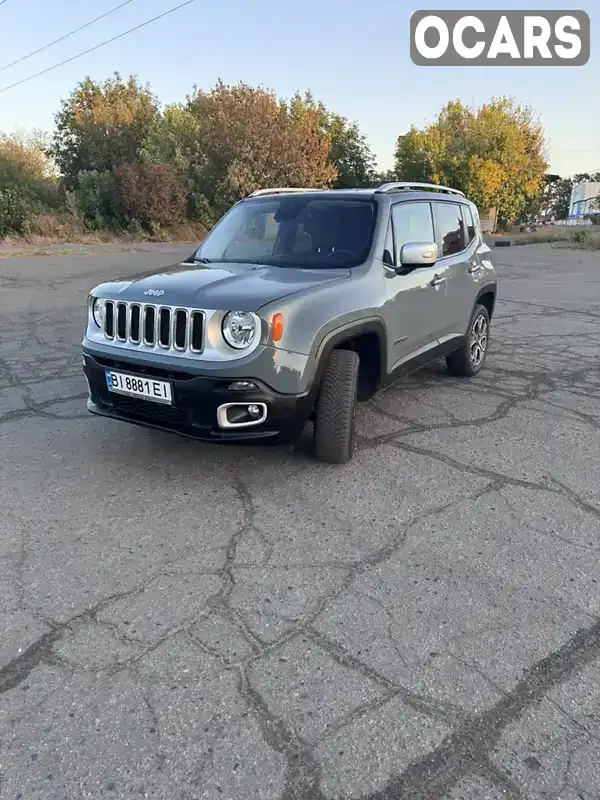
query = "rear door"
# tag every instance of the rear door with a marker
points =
(457, 248)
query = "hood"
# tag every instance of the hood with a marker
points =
(242, 287)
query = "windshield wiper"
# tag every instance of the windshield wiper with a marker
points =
(202, 260)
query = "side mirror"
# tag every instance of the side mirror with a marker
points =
(418, 254)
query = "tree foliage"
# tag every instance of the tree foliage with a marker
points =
(26, 173)
(24, 156)
(349, 150)
(250, 140)
(122, 160)
(494, 154)
(149, 195)
(102, 125)
(174, 139)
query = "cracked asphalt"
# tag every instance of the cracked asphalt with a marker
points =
(188, 622)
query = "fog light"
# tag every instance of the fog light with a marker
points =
(254, 410)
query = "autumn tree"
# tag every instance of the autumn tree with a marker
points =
(25, 155)
(27, 173)
(250, 140)
(151, 195)
(495, 154)
(102, 125)
(349, 150)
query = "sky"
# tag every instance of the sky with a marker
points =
(354, 56)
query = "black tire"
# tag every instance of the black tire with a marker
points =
(461, 363)
(336, 407)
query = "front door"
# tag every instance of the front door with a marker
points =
(415, 308)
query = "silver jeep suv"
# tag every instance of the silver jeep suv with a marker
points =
(298, 304)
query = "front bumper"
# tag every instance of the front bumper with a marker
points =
(196, 400)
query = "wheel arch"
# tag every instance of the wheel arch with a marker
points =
(486, 296)
(369, 339)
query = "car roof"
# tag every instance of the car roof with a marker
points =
(395, 191)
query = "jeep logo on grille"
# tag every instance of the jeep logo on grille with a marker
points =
(155, 292)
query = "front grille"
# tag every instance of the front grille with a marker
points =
(145, 369)
(162, 327)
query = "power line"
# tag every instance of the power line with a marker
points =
(66, 36)
(96, 47)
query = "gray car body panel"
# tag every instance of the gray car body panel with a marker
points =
(412, 318)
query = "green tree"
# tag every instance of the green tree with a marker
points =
(102, 125)
(175, 140)
(495, 154)
(560, 199)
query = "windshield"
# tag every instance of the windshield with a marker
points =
(293, 231)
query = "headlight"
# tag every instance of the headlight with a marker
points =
(239, 329)
(98, 306)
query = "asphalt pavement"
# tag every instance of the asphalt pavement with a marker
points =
(187, 622)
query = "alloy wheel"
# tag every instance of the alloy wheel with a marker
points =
(478, 341)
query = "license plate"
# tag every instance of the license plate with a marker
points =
(139, 386)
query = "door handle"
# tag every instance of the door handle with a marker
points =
(474, 268)
(437, 280)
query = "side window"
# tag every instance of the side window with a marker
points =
(450, 228)
(413, 222)
(469, 224)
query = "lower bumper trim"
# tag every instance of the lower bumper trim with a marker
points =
(196, 403)
(202, 435)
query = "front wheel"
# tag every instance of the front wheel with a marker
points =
(336, 408)
(469, 360)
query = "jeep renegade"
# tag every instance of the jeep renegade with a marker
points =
(297, 304)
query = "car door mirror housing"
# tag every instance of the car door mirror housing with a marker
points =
(418, 254)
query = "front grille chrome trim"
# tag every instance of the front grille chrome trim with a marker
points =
(186, 328)
(191, 317)
(122, 309)
(168, 344)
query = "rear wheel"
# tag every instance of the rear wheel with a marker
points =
(469, 360)
(336, 408)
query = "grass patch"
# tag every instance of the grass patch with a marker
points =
(583, 238)
(66, 228)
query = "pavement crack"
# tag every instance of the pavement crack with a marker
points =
(17, 670)
(303, 773)
(466, 751)
(41, 651)
(443, 711)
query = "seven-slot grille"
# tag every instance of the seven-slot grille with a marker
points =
(154, 325)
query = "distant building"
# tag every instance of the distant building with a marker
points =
(583, 199)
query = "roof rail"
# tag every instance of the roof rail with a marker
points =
(406, 186)
(282, 190)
